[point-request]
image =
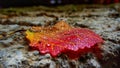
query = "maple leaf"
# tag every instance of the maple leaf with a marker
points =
(63, 38)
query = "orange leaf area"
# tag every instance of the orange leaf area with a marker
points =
(63, 38)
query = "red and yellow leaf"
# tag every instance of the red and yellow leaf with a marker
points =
(62, 38)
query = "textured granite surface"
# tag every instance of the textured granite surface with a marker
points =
(15, 52)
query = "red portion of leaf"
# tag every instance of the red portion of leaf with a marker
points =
(62, 38)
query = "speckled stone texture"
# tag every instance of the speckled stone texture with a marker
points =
(15, 52)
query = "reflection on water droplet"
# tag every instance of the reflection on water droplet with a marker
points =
(48, 44)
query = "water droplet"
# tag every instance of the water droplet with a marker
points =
(48, 44)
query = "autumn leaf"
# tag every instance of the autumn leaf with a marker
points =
(63, 38)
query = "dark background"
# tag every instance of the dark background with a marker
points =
(20, 3)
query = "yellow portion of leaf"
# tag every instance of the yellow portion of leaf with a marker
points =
(30, 35)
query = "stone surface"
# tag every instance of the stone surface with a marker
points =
(15, 53)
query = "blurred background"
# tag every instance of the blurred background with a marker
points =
(19, 3)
